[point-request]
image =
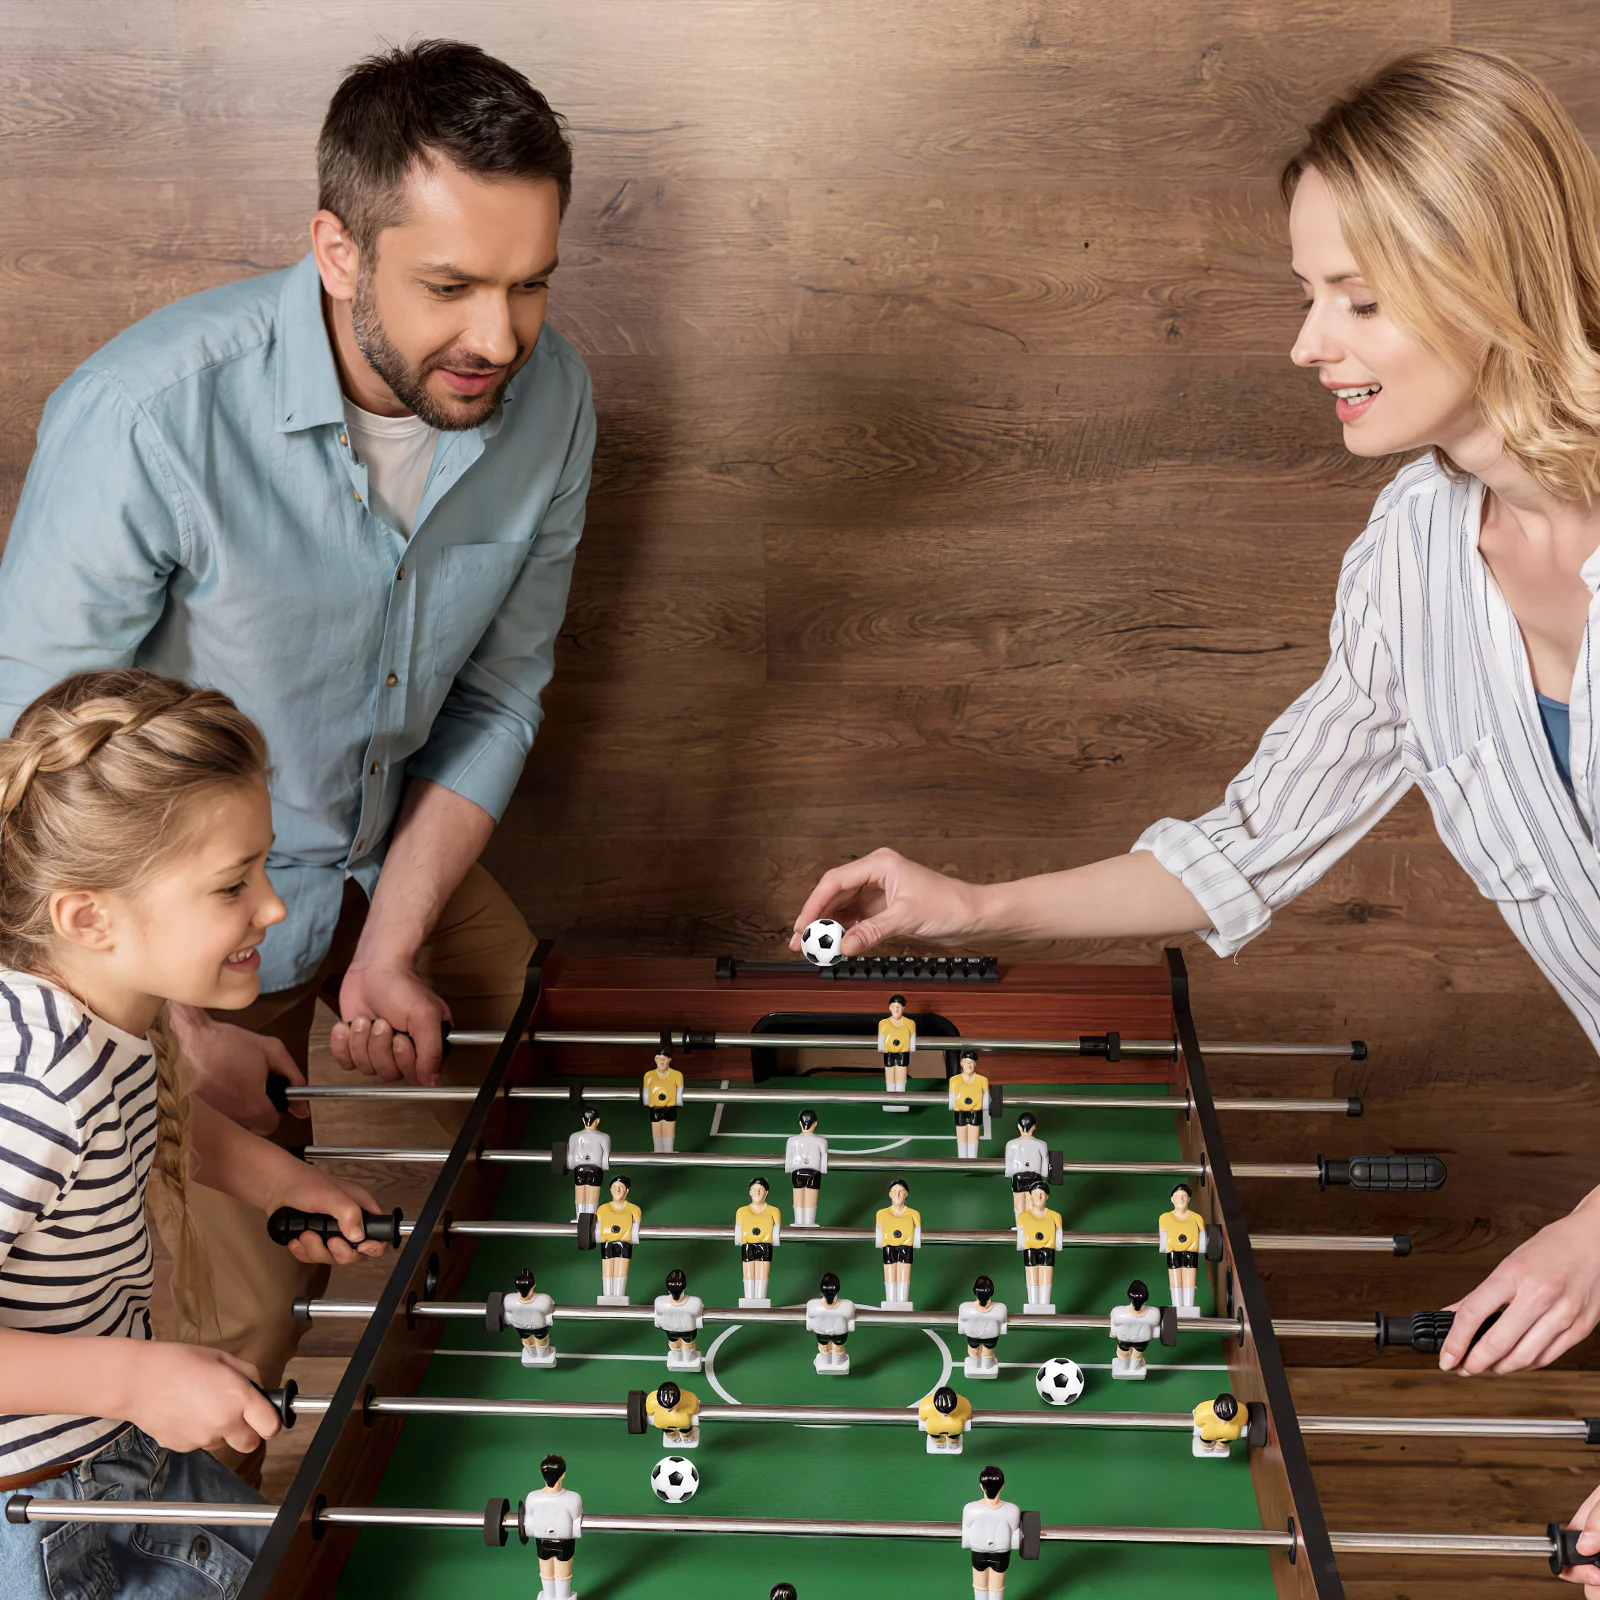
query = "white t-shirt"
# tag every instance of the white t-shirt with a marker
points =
(588, 1147)
(981, 1322)
(528, 1316)
(679, 1316)
(1027, 1154)
(1135, 1327)
(805, 1150)
(828, 1320)
(991, 1527)
(397, 453)
(553, 1514)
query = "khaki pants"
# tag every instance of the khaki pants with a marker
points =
(475, 960)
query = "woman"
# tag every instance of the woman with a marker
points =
(1445, 224)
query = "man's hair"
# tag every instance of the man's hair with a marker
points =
(1225, 1408)
(829, 1284)
(992, 1480)
(677, 1280)
(435, 98)
(983, 1286)
(669, 1394)
(766, 1188)
(552, 1469)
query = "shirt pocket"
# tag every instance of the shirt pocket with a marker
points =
(1481, 814)
(470, 585)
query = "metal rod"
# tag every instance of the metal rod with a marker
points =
(30, 1509)
(836, 1163)
(1311, 1328)
(1452, 1427)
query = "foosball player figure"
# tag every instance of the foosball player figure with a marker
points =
(663, 1093)
(981, 1321)
(944, 1416)
(899, 1235)
(991, 1528)
(588, 1160)
(530, 1313)
(1027, 1158)
(897, 1038)
(1133, 1326)
(1039, 1236)
(1183, 1237)
(969, 1099)
(680, 1315)
(782, 1591)
(617, 1228)
(833, 1321)
(805, 1159)
(1217, 1423)
(553, 1518)
(676, 1413)
(757, 1230)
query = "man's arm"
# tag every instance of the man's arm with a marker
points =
(390, 1019)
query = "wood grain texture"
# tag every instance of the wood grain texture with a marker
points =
(954, 491)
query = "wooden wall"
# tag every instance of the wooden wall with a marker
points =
(954, 489)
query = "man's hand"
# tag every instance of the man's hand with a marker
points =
(1550, 1288)
(231, 1066)
(392, 1024)
(884, 896)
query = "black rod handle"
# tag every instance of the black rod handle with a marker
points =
(1565, 1553)
(1383, 1173)
(286, 1223)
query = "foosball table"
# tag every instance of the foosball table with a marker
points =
(759, 1360)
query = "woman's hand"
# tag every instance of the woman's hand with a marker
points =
(884, 896)
(1550, 1288)
(187, 1397)
(1587, 1517)
(307, 1189)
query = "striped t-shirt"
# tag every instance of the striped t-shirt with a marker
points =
(77, 1135)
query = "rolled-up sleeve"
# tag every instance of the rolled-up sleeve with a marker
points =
(486, 726)
(94, 542)
(1323, 775)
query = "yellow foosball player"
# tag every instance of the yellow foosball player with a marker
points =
(969, 1100)
(617, 1228)
(899, 1234)
(1039, 1235)
(944, 1416)
(1182, 1239)
(897, 1038)
(662, 1094)
(757, 1230)
(1217, 1423)
(676, 1413)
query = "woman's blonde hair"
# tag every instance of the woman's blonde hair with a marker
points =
(1472, 205)
(98, 784)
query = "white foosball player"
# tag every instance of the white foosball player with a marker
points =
(588, 1160)
(1133, 1326)
(552, 1517)
(832, 1320)
(680, 1315)
(981, 1321)
(1027, 1158)
(805, 1159)
(530, 1312)
(991, 1528)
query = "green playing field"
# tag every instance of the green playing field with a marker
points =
(785, 1470)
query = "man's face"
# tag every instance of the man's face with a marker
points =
(450, 301)
(619, 1194)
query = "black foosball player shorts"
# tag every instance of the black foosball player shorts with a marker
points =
(555, 1549)
(1126, 1345)
(1022, 1182)
(969, 1119)
(974, 1345)
(805, 1178)
(663, 1113)
(587, 1177)
(990, 1560)
(1183, 1258)
(897, 1255)
(1038, 1258)
(615, 1249)
(897, 1058)
(832, 1338)
(755, 1252)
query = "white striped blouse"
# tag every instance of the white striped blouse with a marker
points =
(77, 1135)
(1427, 682)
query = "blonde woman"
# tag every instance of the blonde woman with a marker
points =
(1445, 224)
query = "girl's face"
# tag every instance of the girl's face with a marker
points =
(1391, 394)
(191, 934)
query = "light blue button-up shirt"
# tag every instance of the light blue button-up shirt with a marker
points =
(194, 507)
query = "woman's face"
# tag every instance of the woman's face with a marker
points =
(1404, 397)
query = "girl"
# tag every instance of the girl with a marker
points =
(134, 828)
(1445, 223)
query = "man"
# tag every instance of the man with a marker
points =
(349, 495)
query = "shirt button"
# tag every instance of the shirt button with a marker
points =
(391, 680)
(373, 769)
(399, 576)
(343, 439)
(356, 493)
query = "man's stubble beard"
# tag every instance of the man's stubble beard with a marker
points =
(409, 383)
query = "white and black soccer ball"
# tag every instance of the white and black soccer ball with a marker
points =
(1059, 1381)
(674, 1479)
(822, 944)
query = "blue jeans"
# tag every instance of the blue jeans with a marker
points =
(130, 1560)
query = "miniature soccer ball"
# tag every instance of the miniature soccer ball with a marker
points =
(674, 1479)
(1059, 1381)
(822, 944)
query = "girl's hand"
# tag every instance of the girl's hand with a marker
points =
(1587, 1517)
(187, 1397)
(307, 1189)
(1550, 1288)
(884, 896)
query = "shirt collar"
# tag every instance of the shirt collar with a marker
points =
(307, 380)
